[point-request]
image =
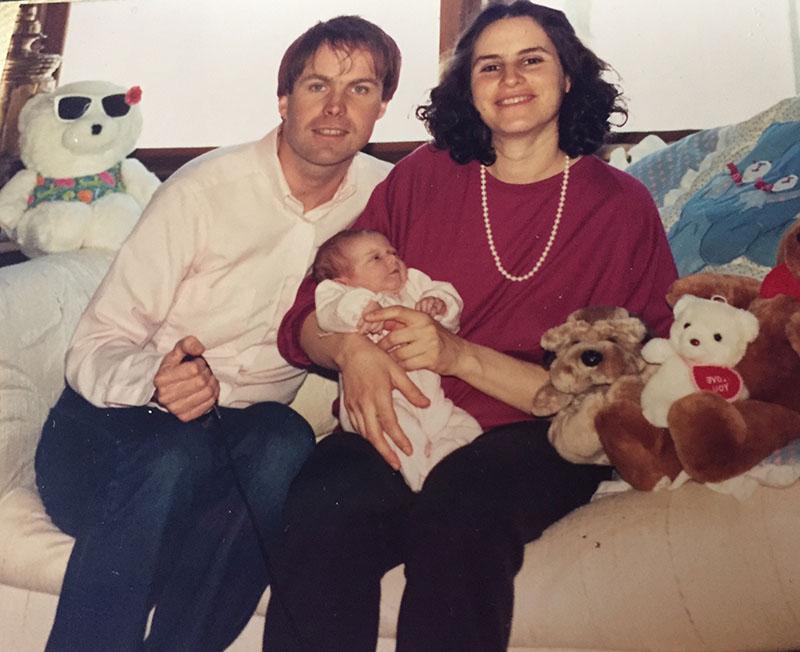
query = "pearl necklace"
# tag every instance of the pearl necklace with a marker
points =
(490, 238)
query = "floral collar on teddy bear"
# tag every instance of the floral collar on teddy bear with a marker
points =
(85, 189)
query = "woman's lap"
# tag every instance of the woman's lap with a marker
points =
(351, 518)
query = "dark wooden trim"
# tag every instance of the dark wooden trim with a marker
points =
(163, 161)
(55, 20)
(454, 15)
(392, 152)
(633, 137)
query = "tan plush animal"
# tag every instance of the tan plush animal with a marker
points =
(593, 348)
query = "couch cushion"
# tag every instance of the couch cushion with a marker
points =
(33, 551)
(668, 570)
(689, 569)
(40, 302)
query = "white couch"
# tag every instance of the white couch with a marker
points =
(688, 569)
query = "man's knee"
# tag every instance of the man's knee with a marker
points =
(269, 443)
(173, 476)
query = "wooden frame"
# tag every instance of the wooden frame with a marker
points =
(31, 66)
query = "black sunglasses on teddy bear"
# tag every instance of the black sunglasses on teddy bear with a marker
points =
(72, 107)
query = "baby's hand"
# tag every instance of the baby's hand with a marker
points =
(365, 327)
(431, 306)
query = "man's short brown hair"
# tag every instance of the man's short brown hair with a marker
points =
(345, 33)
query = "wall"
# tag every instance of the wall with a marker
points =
(208, 68)
(682, 64)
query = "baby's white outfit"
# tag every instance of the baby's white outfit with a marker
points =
(434, 431)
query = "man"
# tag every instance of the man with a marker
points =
(174, 377)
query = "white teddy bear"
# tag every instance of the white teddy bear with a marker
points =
(707, 339)
(78, 189)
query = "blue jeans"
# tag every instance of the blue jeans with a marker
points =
(159, 520)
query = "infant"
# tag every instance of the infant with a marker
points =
(358, 272)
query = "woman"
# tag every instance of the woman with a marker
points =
(509, 206)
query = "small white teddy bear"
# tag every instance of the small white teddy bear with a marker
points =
(707, 339)
(77, 189)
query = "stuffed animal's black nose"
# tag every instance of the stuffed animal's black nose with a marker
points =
(694, 341)
(96, 129)
(591, 358)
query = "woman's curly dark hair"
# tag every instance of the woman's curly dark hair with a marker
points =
(583, 120)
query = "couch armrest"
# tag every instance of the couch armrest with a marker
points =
(40, 303)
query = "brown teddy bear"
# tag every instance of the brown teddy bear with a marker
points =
(708, 437)
(593, 348)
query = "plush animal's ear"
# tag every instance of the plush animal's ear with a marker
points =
(631, 331)
(558, 336)
(32, 106)
(682, 303)
(548, 400)
(749, 323)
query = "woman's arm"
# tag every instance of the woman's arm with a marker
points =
(424, 344)
(499, 375)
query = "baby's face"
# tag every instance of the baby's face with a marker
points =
(374, 265)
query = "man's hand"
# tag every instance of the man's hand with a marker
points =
(368, 376)
(185, 385)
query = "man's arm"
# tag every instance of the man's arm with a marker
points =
(109, 361)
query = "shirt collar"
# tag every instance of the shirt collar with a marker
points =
(268, 151)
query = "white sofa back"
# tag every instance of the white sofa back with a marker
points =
(40, 302)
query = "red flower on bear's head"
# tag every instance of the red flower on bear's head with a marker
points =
(133, 96)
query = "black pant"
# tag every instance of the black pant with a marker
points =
(351, 518)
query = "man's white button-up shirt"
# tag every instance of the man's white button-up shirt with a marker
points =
(218, 253)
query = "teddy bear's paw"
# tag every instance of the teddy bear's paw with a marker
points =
(641, 453)
(572, 432)
(113, 218)
(716, 440)
(53, 227)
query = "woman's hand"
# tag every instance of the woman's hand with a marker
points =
(420, 342)
(368, 377)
